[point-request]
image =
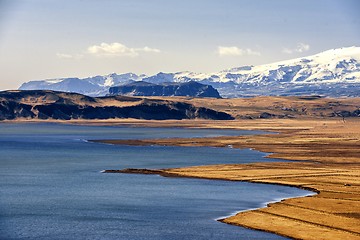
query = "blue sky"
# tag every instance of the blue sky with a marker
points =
(42, 39)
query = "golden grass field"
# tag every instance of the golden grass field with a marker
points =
(329, 150)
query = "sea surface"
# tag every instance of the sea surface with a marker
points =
(51, 185)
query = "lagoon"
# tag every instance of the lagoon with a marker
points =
(51, 185)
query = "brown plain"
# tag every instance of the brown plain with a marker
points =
(329, 154)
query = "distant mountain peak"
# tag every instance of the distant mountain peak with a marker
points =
(335, 72)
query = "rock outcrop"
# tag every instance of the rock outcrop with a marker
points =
(190, 89)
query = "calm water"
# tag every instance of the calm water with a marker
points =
(51, 186)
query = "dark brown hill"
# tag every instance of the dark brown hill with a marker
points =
(189, 89)
(42, 104)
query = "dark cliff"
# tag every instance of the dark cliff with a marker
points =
(40, 104)
(190, 89)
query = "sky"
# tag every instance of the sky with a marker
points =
(44, 39)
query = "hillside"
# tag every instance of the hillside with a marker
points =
(15, 105)
(142, 88)
(66, 106)
(299, 107)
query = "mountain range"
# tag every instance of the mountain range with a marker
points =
(334, 73)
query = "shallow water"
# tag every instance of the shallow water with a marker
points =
(51, 186)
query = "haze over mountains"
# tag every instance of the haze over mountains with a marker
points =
(332, 73)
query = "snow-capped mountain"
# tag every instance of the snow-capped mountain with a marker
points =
(335, 72)
(92, 86)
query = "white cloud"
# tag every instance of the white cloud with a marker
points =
(235, 51)
(68, 56)
(118, 49)
(301, 47)
(147, 49)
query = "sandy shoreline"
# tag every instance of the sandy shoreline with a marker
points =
(328, 150)
(330, 166)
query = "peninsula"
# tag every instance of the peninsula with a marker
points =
(326, 158)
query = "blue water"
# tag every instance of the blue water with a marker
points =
(51, 186)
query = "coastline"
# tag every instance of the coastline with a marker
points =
(223, 219)
(325, 157)
(332, 213)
